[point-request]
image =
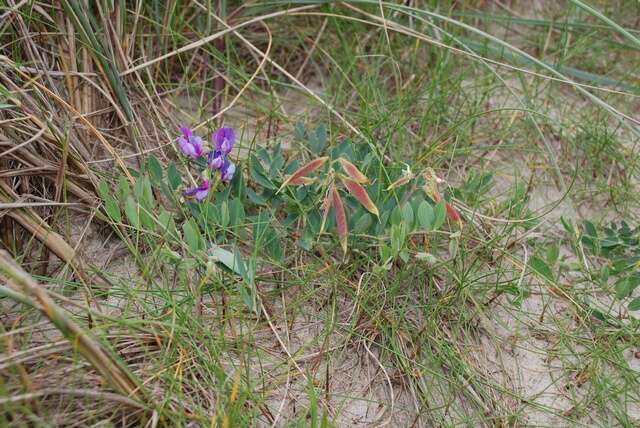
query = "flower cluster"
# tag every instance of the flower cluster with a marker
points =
(223, 141)
(191, 145)
(217, 159)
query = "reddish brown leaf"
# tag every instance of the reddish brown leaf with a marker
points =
(353, 172)
(432, 191)
(302, 181)
(361, 195)
(304, 170)
(400, 182)
(452, 213)
(341, 219)
(326, 206)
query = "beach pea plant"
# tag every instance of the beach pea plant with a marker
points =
(217, 158)
(341, 192)
(614, 250)
(347, 191)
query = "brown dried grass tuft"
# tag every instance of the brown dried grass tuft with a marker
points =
(108, 366)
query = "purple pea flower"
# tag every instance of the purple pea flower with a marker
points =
(200, 192)
(215, 159)
(190, 144)
(223, 140)
(227, 170)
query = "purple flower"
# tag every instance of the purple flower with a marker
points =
(215, 159)
(227, 170)
(190, 144)
(224, 139)
(200, 192)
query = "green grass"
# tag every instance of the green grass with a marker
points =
(528, 114)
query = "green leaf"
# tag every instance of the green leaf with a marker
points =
(299, 131)
(364, 222)
(174, 177)
(318, 139)
(385, 252)
(590, 229)
(134, 172)
(306, 240)
(236, 212)
(232, 261)
(541, 268)
(240, 265)
(426, 215)
(260, 227)
(208, 213)
(440, 215)
(103, 189)
(145, 218)
(623, 288)
(553, 252)
(396, 216)
(124, 189)
(634, 279)
(314, 219)
(263, 154)
(238, 184)
(597, 314)
(155, 169)
(168, 225)
(634, 305)
(245, 296)
(259, 175)
(568, 226)
(113, 209)
(138, 189)
(277, 161)
(224, 214)
(604, 275)
(192, 235)
(256, 198)
(610, 242)
(274, 245)
(407, 215)
(131, 211)
(398, 234)
(246, 287)
(147, 194)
